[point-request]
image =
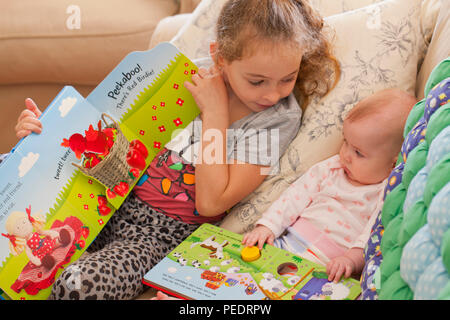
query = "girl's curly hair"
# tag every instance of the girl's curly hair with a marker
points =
(243, 21)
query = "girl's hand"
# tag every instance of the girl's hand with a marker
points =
(209, 91)
(163, 296)
(28, 120)
(261, 234)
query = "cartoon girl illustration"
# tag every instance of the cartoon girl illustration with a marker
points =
(25, 232)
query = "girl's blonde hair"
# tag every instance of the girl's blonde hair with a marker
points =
(243, 21)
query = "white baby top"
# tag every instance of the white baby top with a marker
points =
(324, 199)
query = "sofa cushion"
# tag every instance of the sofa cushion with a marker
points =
(41, 41)
(194, 37)
(378, 47)
(375, 52)
(439, 47)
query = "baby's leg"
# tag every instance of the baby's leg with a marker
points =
(142, 237)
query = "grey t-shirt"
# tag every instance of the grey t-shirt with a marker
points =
(258, 138)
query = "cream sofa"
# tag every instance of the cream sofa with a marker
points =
(35, 69)
(48, 44)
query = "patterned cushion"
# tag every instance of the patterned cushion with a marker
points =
(378, 47)
(415, 246)
(374, 55)
(194, 37)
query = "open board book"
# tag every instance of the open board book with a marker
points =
(51, 206)
(212, 263)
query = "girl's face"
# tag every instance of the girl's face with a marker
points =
(261, 79)
(365, 155)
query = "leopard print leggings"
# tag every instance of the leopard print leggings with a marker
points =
(135, 239)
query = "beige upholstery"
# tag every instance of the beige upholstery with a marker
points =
(43, 50)
(438, 49)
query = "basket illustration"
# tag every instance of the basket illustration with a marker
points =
(113, 168)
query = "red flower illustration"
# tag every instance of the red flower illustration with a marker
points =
(177, 122)
(153, 118)
(157, 145)
(162, 129)
(186, 72)
(193, 71)
(180, 101)
(186, 64)
(141, 132)
(163, 104)
(175, 86)
(86, 207)
(154, 107)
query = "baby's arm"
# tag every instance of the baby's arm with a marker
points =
(351, 262)
(291, 203)
(285, 210)
(28, 120)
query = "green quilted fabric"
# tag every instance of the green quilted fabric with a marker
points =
(416, 214)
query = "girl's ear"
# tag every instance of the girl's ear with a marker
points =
(215, 56)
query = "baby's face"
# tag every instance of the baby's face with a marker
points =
(365, 155)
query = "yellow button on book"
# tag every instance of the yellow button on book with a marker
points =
(249, 254)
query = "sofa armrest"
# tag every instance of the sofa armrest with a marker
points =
(168, 27)
(42, 43)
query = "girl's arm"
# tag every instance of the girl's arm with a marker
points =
(218, 185)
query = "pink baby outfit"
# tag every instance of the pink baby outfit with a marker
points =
(324, 213)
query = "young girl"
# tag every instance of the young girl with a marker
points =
(261, 48)
(334, 204)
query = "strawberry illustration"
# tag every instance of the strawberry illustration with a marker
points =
(80, 244)
(102, 200)
(85, 232)
(139, 146)
(135, 159)
(103, 210)
(121, 189)
(110, 194)
(134, 172)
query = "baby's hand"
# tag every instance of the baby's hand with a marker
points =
(261, 234)
(339, 266)
(28, 120)
(209, 91)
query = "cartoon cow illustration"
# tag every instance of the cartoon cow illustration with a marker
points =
(215, 247)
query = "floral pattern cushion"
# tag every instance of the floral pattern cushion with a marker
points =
(378, 47)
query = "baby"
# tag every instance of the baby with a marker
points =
(335, 203)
